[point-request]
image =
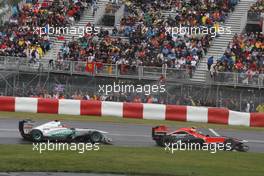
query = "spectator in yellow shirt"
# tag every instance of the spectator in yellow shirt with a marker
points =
(204, 18)
(40, 51)
(260, 108)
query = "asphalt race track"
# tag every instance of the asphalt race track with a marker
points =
(51, 174)
(128, 134)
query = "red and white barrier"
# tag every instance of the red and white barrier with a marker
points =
(132, 110)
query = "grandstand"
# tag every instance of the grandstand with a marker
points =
(129, 41)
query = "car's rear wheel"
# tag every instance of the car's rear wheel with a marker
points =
(167, 141)
(160, 142)
(96, 137)
(36, 135)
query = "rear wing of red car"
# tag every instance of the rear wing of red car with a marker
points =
(159, 131)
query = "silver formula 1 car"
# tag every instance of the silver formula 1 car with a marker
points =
(57, 131)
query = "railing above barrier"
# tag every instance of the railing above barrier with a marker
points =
(253, 16)
(237, 79)
(126, 71)
(92, 69)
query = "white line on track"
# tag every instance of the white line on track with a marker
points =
(9, 130)
(255, 141)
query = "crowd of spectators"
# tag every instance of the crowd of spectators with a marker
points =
(20, 36)
(245, 54)
(149, 43)
(59, 92)
(230, 103)
(258, 7)
(163, 98)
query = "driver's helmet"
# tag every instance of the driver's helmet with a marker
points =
(193, 129)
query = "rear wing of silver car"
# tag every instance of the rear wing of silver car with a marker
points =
(25, 127)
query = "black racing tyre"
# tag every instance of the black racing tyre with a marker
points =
(160, 142)
(96, 137)
(36, 135)
(231, 143)
(242, 148)
(168, 140)
(165, 141)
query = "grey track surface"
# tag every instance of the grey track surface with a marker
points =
(128, 134)
(51, 174)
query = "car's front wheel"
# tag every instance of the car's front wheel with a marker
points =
(36, 135)
(242, 148)
(96, 137)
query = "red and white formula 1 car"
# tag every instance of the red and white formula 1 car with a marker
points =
(163, 136)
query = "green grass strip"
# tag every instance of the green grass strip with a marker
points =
(132, 161)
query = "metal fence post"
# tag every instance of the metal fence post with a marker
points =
(71, 67)
(140, 72)
(116, 70)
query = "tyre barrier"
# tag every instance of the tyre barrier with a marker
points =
(132, 110)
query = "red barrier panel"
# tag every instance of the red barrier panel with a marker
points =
(257, 119)
(133, 110)
(7, 104)
(91, 108)
(218, 115)
(176, 113)
(50, 106)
